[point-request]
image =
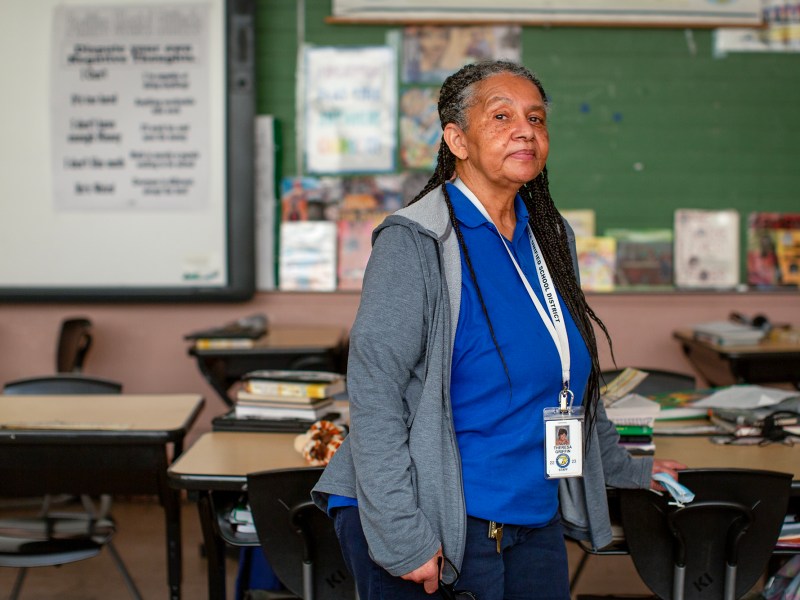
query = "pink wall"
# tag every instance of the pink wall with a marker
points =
(142, 345)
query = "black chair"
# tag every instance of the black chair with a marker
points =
(298, 539)
(53, 538)
(74, 341)
(658, 381)
(717, 546)
(61, 384)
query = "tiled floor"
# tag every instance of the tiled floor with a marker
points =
(140, 541)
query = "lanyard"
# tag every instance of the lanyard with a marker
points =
(554, 323)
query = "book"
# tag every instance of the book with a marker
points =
(680, 404)
(789, 256)
(224, 343)
(633, 409)
(596, 262)
(706, 244)
(230, 422)
(245, 397)
(355, 247)
(764, 230)
(293, 384)
(735, 429)
(622, 385)
(582, 221)
(307, 259)
(644, 257)
(727, 333)
(245, 410)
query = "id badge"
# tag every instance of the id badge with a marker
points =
(563, 442)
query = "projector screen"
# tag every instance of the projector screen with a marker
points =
(127, 152)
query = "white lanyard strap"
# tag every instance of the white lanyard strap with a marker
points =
(554, 323)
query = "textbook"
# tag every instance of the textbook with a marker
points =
(294, 384)
(597, 257)
(680, 404)
(278, 401)
(258, 410)
(644, 257)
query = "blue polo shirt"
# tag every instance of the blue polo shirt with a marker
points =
(500, 434)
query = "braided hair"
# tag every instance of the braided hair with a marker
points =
(457, 95)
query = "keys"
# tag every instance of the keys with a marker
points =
(496, 533)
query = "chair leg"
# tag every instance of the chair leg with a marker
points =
(123, 569)
(308, 581)
(18, 583)
(578, 571)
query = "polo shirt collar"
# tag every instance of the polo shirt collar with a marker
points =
(469, 216)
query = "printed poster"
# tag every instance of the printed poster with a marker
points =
(130, 107)
(431, 52)
(350, 99)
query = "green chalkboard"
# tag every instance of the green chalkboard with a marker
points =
(643, 121)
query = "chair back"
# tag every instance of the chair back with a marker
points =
(298, 539)
(74, 341)
(61, 383)
(718, 544)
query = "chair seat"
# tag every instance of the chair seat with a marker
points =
(31, 552)
(58, 526)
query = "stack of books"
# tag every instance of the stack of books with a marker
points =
(242, 333)
(728, 333)
(750, 422)
(282, 395)
(634, 417)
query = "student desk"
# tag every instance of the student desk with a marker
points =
(216, 468)
(220, 461)
(318, 348)
(98, 444)
(767, 362)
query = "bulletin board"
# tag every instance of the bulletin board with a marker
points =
(642, 121)
(127, 152)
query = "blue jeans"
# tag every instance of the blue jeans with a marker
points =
(532, 565)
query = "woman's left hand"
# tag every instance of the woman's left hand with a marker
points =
(664, 465)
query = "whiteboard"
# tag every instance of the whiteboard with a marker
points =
(127, 150)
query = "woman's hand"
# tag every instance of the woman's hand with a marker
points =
(663, 465)
(427, 574)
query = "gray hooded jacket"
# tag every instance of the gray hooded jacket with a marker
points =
(401, 460)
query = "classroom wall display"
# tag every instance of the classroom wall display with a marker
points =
(128, 150)
(568, 12)
(773, 249)
(780, 31)
(420, 131)
(432, 52)
(350, 116)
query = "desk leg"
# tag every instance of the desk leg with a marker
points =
(215, 547)
(172, 512)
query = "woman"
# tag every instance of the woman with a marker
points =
(451, 366)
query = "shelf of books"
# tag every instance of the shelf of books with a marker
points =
(326, 225)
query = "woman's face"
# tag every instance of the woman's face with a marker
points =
(506, 141)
